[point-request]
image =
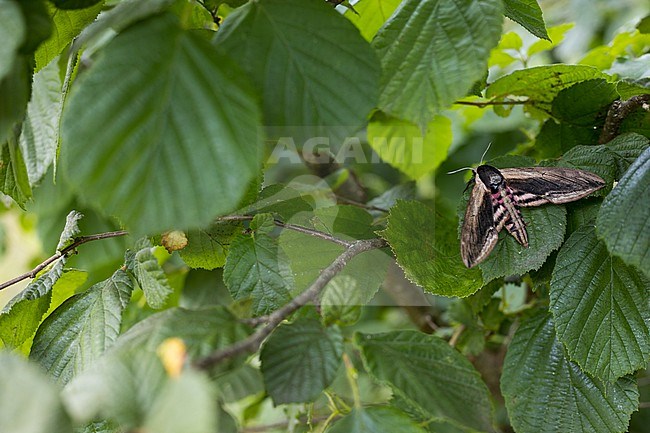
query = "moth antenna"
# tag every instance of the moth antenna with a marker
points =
(460, 169)
(486, 151)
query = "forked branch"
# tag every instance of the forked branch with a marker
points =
(254, 341)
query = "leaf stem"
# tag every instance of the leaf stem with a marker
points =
(483, 104)
(352, 375)
(254, 341)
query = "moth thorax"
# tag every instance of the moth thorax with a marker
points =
(491, 177)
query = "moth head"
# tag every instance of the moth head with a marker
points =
(491, 177)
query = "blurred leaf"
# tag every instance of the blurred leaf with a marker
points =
(507, 50)
(547, 393)
(184, 405)
(624, 44)
(300, 359)
(538, 86)
(428, 251)
(76, 334)
(624, 219)
(15, 88)
(281, 200)
(12, 34)
(148, 273)
(39, 138)
(204, 289)
(328, 95)
(404, 146)
(598, 308)
(126, 382)
(67, 25)
(432, 52)
(239, 383)
(207, 248)
(166, 180)
(635, 71)
(428, 372)
(376, 419)
(528, 14)
(556, 138)
(38, 25)
(556, 35)
(257, 267)
(30, 401)
(371, 15)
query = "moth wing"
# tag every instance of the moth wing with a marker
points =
(534, 186)
(479, 234)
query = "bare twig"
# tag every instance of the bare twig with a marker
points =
(361, 205)
(64, 252)
(482, 104)
(254, 341)
(617, 113)
(301, 229)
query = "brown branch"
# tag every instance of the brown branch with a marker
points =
(488, 103)
(254, 341)
(618, 111)
(301, 229)
(64, 252)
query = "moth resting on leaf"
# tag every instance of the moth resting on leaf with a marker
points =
(497, 195)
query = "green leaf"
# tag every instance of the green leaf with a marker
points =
(281, 200)
(239, 383)
(184, 405)
(625, 44)
(585, 103)
(70, 230)
(528, 14)
(258, 268)
(76, 334)
(428, 251)
(341, 300)
(556, 138)
(556, 36)
(125, 383)
(67, 25)
(305, 95)
(30, 401)
(430, 373)
(180, 155)
(547, 393)
(539, 86)
(148, 273)
(404, 146)
(74, 4)
(596, 159)
(14, 180)
(207, 248)
(376, 419)
(14, 88)
(626, 149)
(371, 15)
(624, 219)
(38, 26)
(598, 305)
(432, 52)
(545, 226)
(300, 360)
(39, 138)
(12, 35)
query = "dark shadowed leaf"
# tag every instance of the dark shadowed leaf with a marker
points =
(300, 360)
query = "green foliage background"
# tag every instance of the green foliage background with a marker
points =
(278, 242)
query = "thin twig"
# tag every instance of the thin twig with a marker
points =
(64, 252)
(482, 104)
(361, 205)
(301, 229)
(254, 341)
